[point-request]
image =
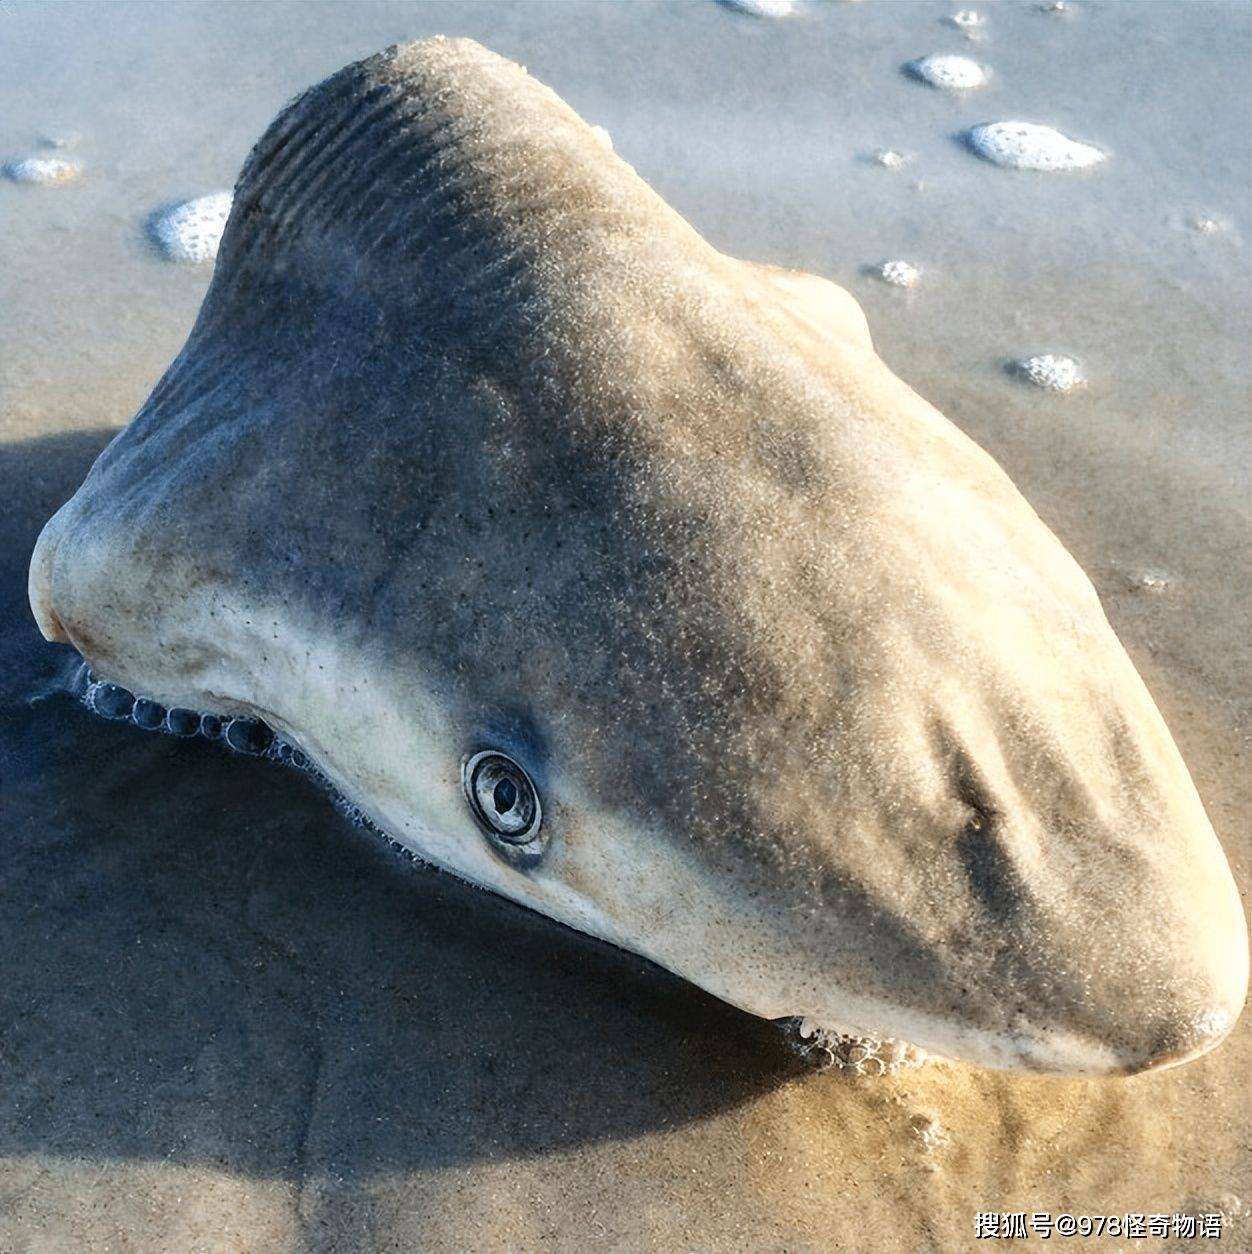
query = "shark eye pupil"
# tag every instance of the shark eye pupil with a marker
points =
(504, 795)
(503, 800)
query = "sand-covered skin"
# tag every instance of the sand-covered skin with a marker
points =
(224, 1009)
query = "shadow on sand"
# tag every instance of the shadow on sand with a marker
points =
(202, 962)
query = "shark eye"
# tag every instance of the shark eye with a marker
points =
(502, 798)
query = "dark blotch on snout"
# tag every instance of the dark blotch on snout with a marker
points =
(992, 879)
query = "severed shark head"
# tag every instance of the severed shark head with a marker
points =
(621, 577)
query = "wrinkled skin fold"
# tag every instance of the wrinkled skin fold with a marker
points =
(477, 445)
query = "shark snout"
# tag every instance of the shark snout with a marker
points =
(1190, 1002)
(1151, 1028)
(1074, 947)
(40, 585)
(1130, 976)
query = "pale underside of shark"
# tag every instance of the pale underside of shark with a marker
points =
(621, 577)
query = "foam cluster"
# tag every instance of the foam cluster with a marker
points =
(249, 736)
(899, 273)
(948, 71)
(118, 704)
(845, 1051)
(42, 170)
(966, 19)
(762, 8)
(192, 231)
(1051, 371)
(1030, 146)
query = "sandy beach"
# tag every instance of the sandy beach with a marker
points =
(230, 1021)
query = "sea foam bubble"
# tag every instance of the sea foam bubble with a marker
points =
(890, 158)
(827, 1047)
(191, 231)
(60, 139)
(1051, 371)
(42, 170)
(762, 8)
(966, 20)
(1206, 224)
(1030, 146)
(948, 71)
(249, 737)
(899, 273)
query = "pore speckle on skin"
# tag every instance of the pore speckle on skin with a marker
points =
(899, 273)
(1030, 146)
(192, 231)
(1051, 371)
(948, 71)
(43, 170)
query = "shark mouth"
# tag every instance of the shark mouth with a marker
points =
(249, 737)
(824, 1048)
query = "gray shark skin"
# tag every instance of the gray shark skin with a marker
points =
(476, 445)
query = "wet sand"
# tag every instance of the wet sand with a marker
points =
(230, 1021)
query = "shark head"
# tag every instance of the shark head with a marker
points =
(621, 577)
